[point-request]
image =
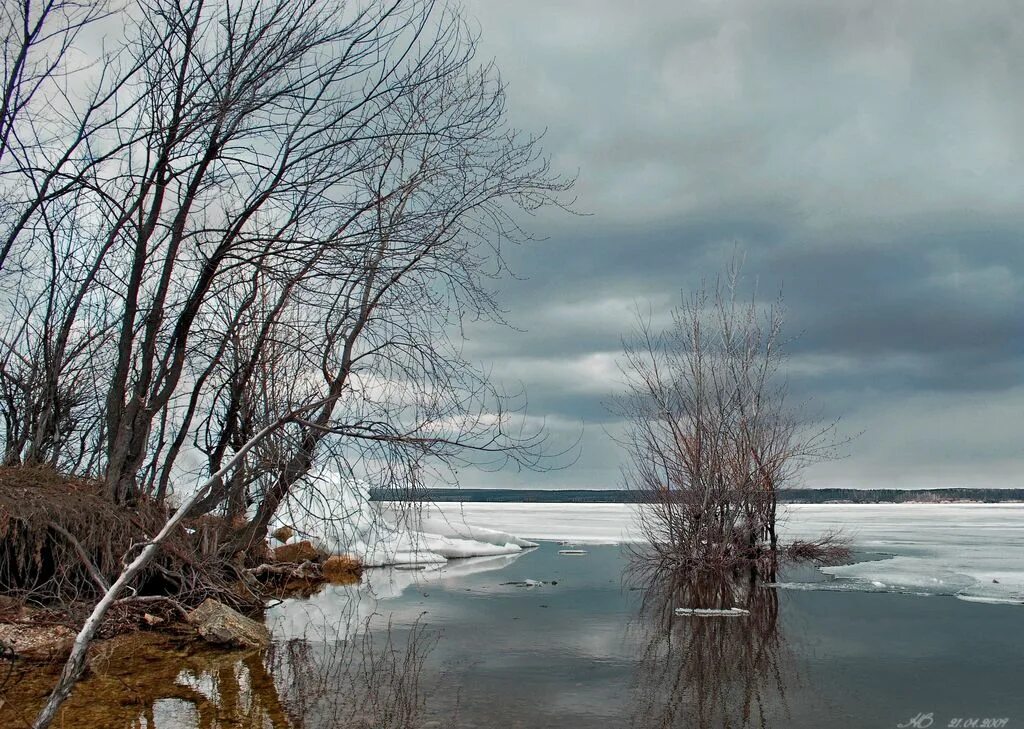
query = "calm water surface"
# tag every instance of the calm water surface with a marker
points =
(582, 653)
(462, 648)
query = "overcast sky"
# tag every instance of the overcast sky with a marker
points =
(866, 156)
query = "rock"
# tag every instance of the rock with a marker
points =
(342, 568)
(283, 534)
(36, 642)
(152, 619)
(218, 624)
(297, 552)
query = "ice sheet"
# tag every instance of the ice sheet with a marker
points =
(972, 551)
(576, 523)
(338, 516)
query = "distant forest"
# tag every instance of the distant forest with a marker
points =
(792, 496)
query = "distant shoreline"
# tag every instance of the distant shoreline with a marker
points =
(791, 496)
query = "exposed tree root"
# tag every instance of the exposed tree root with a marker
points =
(64, 543)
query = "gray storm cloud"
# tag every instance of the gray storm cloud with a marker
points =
(866, 157)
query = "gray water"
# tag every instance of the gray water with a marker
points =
(591, 647)
(586, 649)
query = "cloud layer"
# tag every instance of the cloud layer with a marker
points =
(866, 156)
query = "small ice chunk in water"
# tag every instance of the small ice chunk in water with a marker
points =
(572, 552)
(711, 612)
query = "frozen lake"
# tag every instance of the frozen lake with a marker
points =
(973, 551)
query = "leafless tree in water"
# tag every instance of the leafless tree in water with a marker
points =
(714, 437)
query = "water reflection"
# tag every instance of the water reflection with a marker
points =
(373, 680)
(575, 653)
(339, 612)
(236, 692)
(710, 671)
(337, 660)
(148, 680)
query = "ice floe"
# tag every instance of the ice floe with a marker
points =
(711, 612)
(339, 518)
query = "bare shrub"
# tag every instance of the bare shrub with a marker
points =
(714, 438)
(829, 549)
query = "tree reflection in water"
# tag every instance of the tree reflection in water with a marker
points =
(371, 679)
(710, 671)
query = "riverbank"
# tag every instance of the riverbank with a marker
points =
(64, 543)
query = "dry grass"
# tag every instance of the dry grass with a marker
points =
(61, 538)
(63, 542)
(829, 549)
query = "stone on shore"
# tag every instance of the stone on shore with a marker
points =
(218, 624)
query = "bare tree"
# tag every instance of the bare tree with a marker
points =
(246, 244)
(57, 104)
(332, 179)
(714, 437)
(38, 37)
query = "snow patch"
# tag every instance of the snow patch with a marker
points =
(337, 516)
